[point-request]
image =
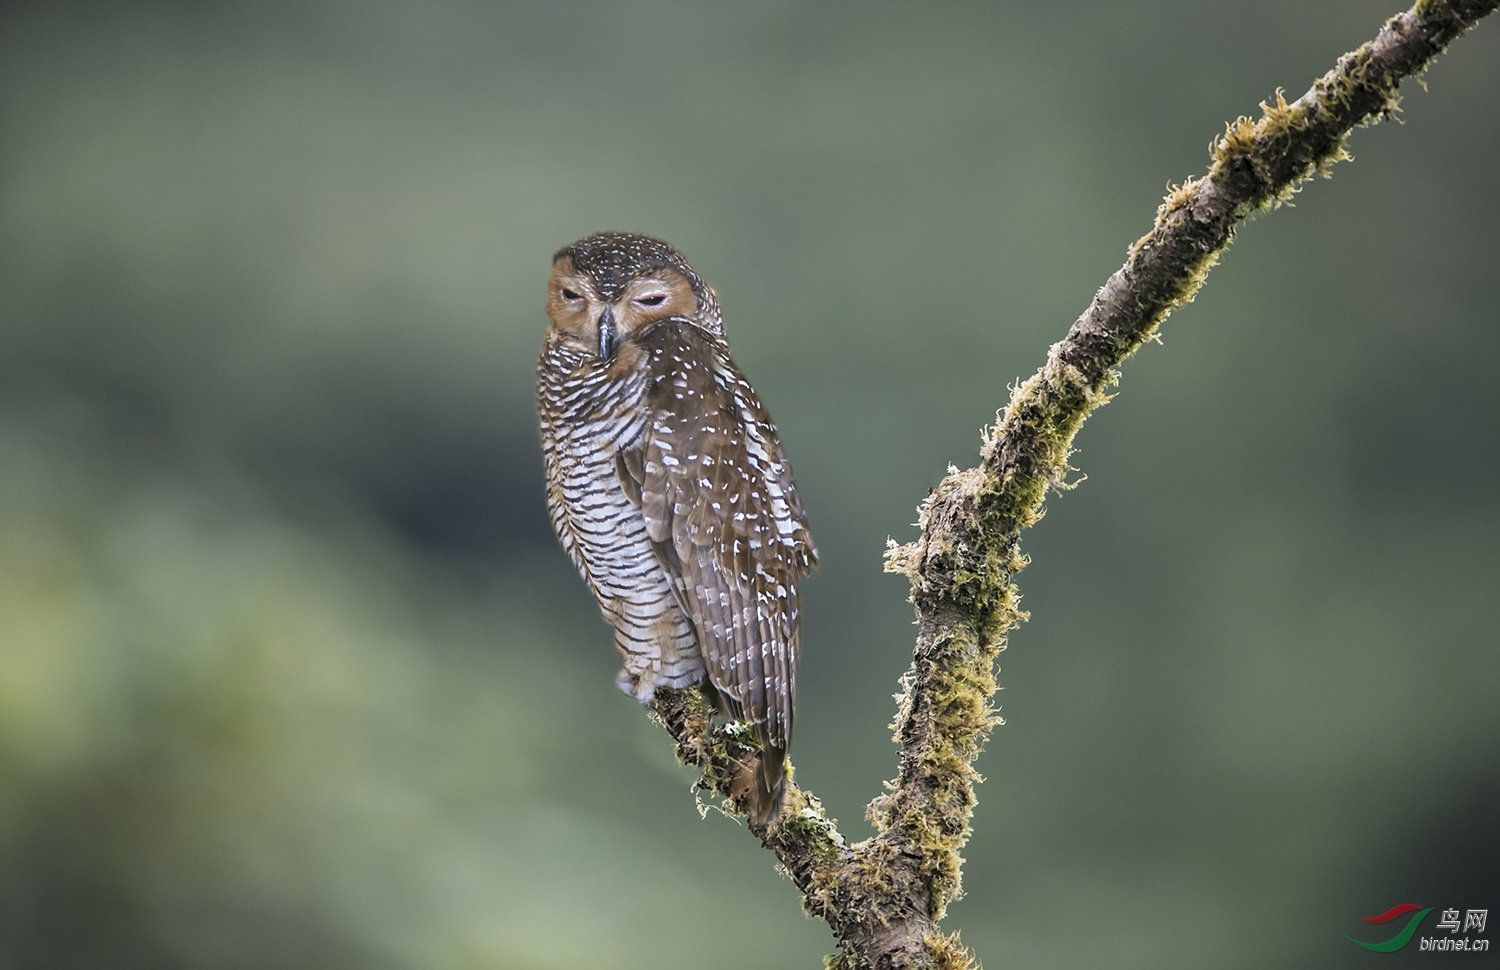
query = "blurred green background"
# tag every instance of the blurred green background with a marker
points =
(292, 672)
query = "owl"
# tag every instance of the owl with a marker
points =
(668, 488)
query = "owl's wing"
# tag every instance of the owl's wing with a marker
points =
(723, 515)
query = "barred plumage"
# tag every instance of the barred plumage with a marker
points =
(668, 488)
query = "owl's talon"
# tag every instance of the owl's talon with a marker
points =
(641, 689)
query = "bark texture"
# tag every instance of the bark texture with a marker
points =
(883, 897)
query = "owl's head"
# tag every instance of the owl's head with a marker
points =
(611, 287)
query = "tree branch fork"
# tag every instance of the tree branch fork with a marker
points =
(883, 897)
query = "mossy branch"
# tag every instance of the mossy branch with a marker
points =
(884, 896)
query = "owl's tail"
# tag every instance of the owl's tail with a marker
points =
(768, 792)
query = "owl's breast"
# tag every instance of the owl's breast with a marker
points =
(579, 396)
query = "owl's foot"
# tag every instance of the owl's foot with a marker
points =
(642, 690)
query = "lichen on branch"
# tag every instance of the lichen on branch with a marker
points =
(884, 896)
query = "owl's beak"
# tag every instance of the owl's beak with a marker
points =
(608, 340)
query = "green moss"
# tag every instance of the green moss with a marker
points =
(949, 953)
(804, 823)
(872, 872)
(718, 752)
(1264, 162)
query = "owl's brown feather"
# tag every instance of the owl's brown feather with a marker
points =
(725, 521)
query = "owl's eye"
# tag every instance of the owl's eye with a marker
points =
(655, 299)
(570, 295)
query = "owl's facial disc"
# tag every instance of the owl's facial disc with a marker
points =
(604, 313)
(652, 298)
(576, 307)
